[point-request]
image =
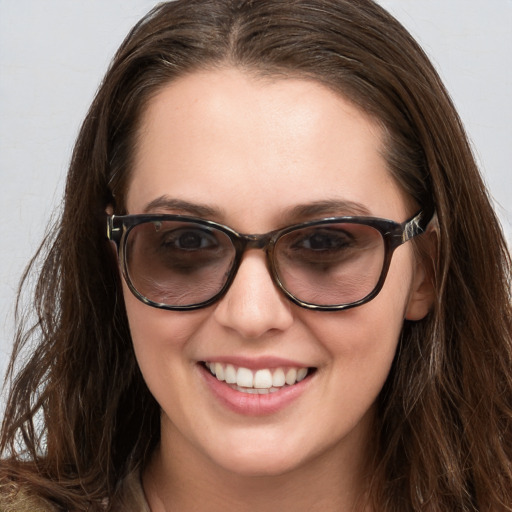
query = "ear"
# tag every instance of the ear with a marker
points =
(422, 293)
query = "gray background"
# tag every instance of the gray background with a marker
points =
(54, 53)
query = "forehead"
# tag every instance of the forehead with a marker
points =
(253, 147)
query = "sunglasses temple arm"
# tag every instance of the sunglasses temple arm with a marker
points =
(417, 224)
(114, 232)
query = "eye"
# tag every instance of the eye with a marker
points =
(322, 240)
(189, 239)
(329, 245)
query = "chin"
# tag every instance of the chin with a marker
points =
(261, 459)
(259, 466)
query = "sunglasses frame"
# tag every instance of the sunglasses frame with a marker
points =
(393, 233)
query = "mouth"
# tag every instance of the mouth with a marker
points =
(262, 381)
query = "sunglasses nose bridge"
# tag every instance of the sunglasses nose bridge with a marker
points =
(263, 242)
(256, 241)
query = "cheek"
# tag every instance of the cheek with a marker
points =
(358, 340)
(158, 333)
(367, 336)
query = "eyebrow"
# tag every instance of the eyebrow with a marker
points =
(294, 214)
(171, 204)
(325, 208)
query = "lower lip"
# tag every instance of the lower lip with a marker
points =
(253, 404)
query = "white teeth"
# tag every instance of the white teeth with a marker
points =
(244, 378)
(291, 376)
(261, 381)
(230, 374)
(301, 374)
(219, 371)
(278, 378)
(253, 391)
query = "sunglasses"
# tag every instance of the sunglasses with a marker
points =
(179, 262)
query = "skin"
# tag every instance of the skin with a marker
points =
(251, 150)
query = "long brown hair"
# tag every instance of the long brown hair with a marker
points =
(79, 416)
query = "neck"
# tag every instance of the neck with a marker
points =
(179, 478)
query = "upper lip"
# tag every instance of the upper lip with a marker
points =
(256, 363)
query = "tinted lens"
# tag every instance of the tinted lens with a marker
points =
(330, 264)
(178, 263)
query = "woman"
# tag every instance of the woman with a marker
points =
(277, 282)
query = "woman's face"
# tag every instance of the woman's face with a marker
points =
(257, 155)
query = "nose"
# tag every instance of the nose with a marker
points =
(253, 306)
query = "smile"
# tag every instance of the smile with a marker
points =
(262, 381)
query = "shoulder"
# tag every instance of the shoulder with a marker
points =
(17, 497)
(18, 501)
(129, 498)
